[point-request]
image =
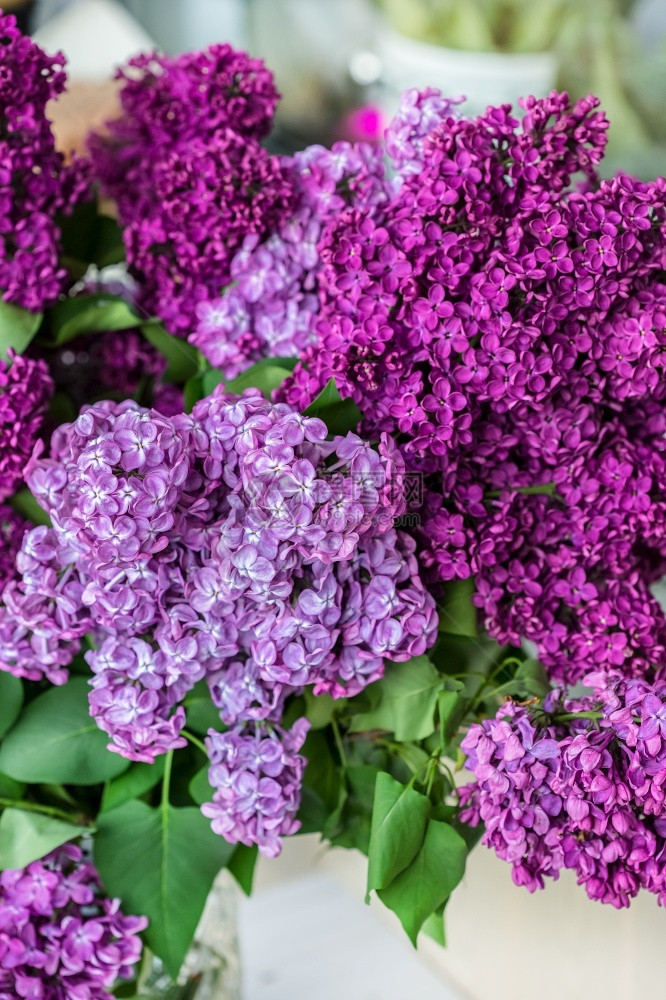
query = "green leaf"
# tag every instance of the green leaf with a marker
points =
(24, 503)
(183, 360)
(162, 863)
(266, 375)
(457, 614)
(339, 415)
(451, 710)
(10, 789)
(90, 314)
(241, 864)
(17, 328)
(56, 741)
(200, 711)
(27, 836)
(434, 928)
(399, 818)
(109, 247)
(320, 708)
(530, 678)
(11, 699)
(427, 883)
(199, 787)
(134, 783)
(409, 693)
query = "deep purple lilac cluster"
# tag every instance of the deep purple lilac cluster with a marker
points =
(580, 788)
(506, 325)
(256, 773)
(166, 104)
(60, 937)
(35, 183)
(237, 544)
(25, 389)
(191, 180)
(12, 528)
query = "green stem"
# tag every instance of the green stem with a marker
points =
(36, 807)
(194, 740)
(166, 780)
(338, 742)
(569, 716)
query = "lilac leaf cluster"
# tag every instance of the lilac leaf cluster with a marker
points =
(35, 183)
(60, 937)
(505, 323)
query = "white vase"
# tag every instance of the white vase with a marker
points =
(484, 78)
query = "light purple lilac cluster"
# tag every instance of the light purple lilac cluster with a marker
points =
(506, 326)
(35, 183)
(256, 773)
(581, 786)
(236, 544)
(25, 389)
(60, 937)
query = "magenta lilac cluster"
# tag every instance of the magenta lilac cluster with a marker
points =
(169, 102)
(25, 389)
(237, 544)
(506, 325)
(581, 787)
(35, 183)
(12, 529)
(60, 937)
(256, 772)
(191, 179)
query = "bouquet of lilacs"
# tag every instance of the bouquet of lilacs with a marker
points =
(332, 500)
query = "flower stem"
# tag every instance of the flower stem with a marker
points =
(338, 742)
(38, 808)
(194, 740)
(572, 716)
(166, 780)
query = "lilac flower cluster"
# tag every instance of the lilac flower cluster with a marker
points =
(272, 305)
(25, 389)
(167, 103)
(237, 544)
(579, 788)
(35, 183)
(60, 938)
(256, 773)
(191, 180)
(507, 328)
(12, 528)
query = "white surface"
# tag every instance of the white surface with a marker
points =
(309, 939)
(308, 920)
(97, 36)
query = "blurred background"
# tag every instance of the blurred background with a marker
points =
(341, 65)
